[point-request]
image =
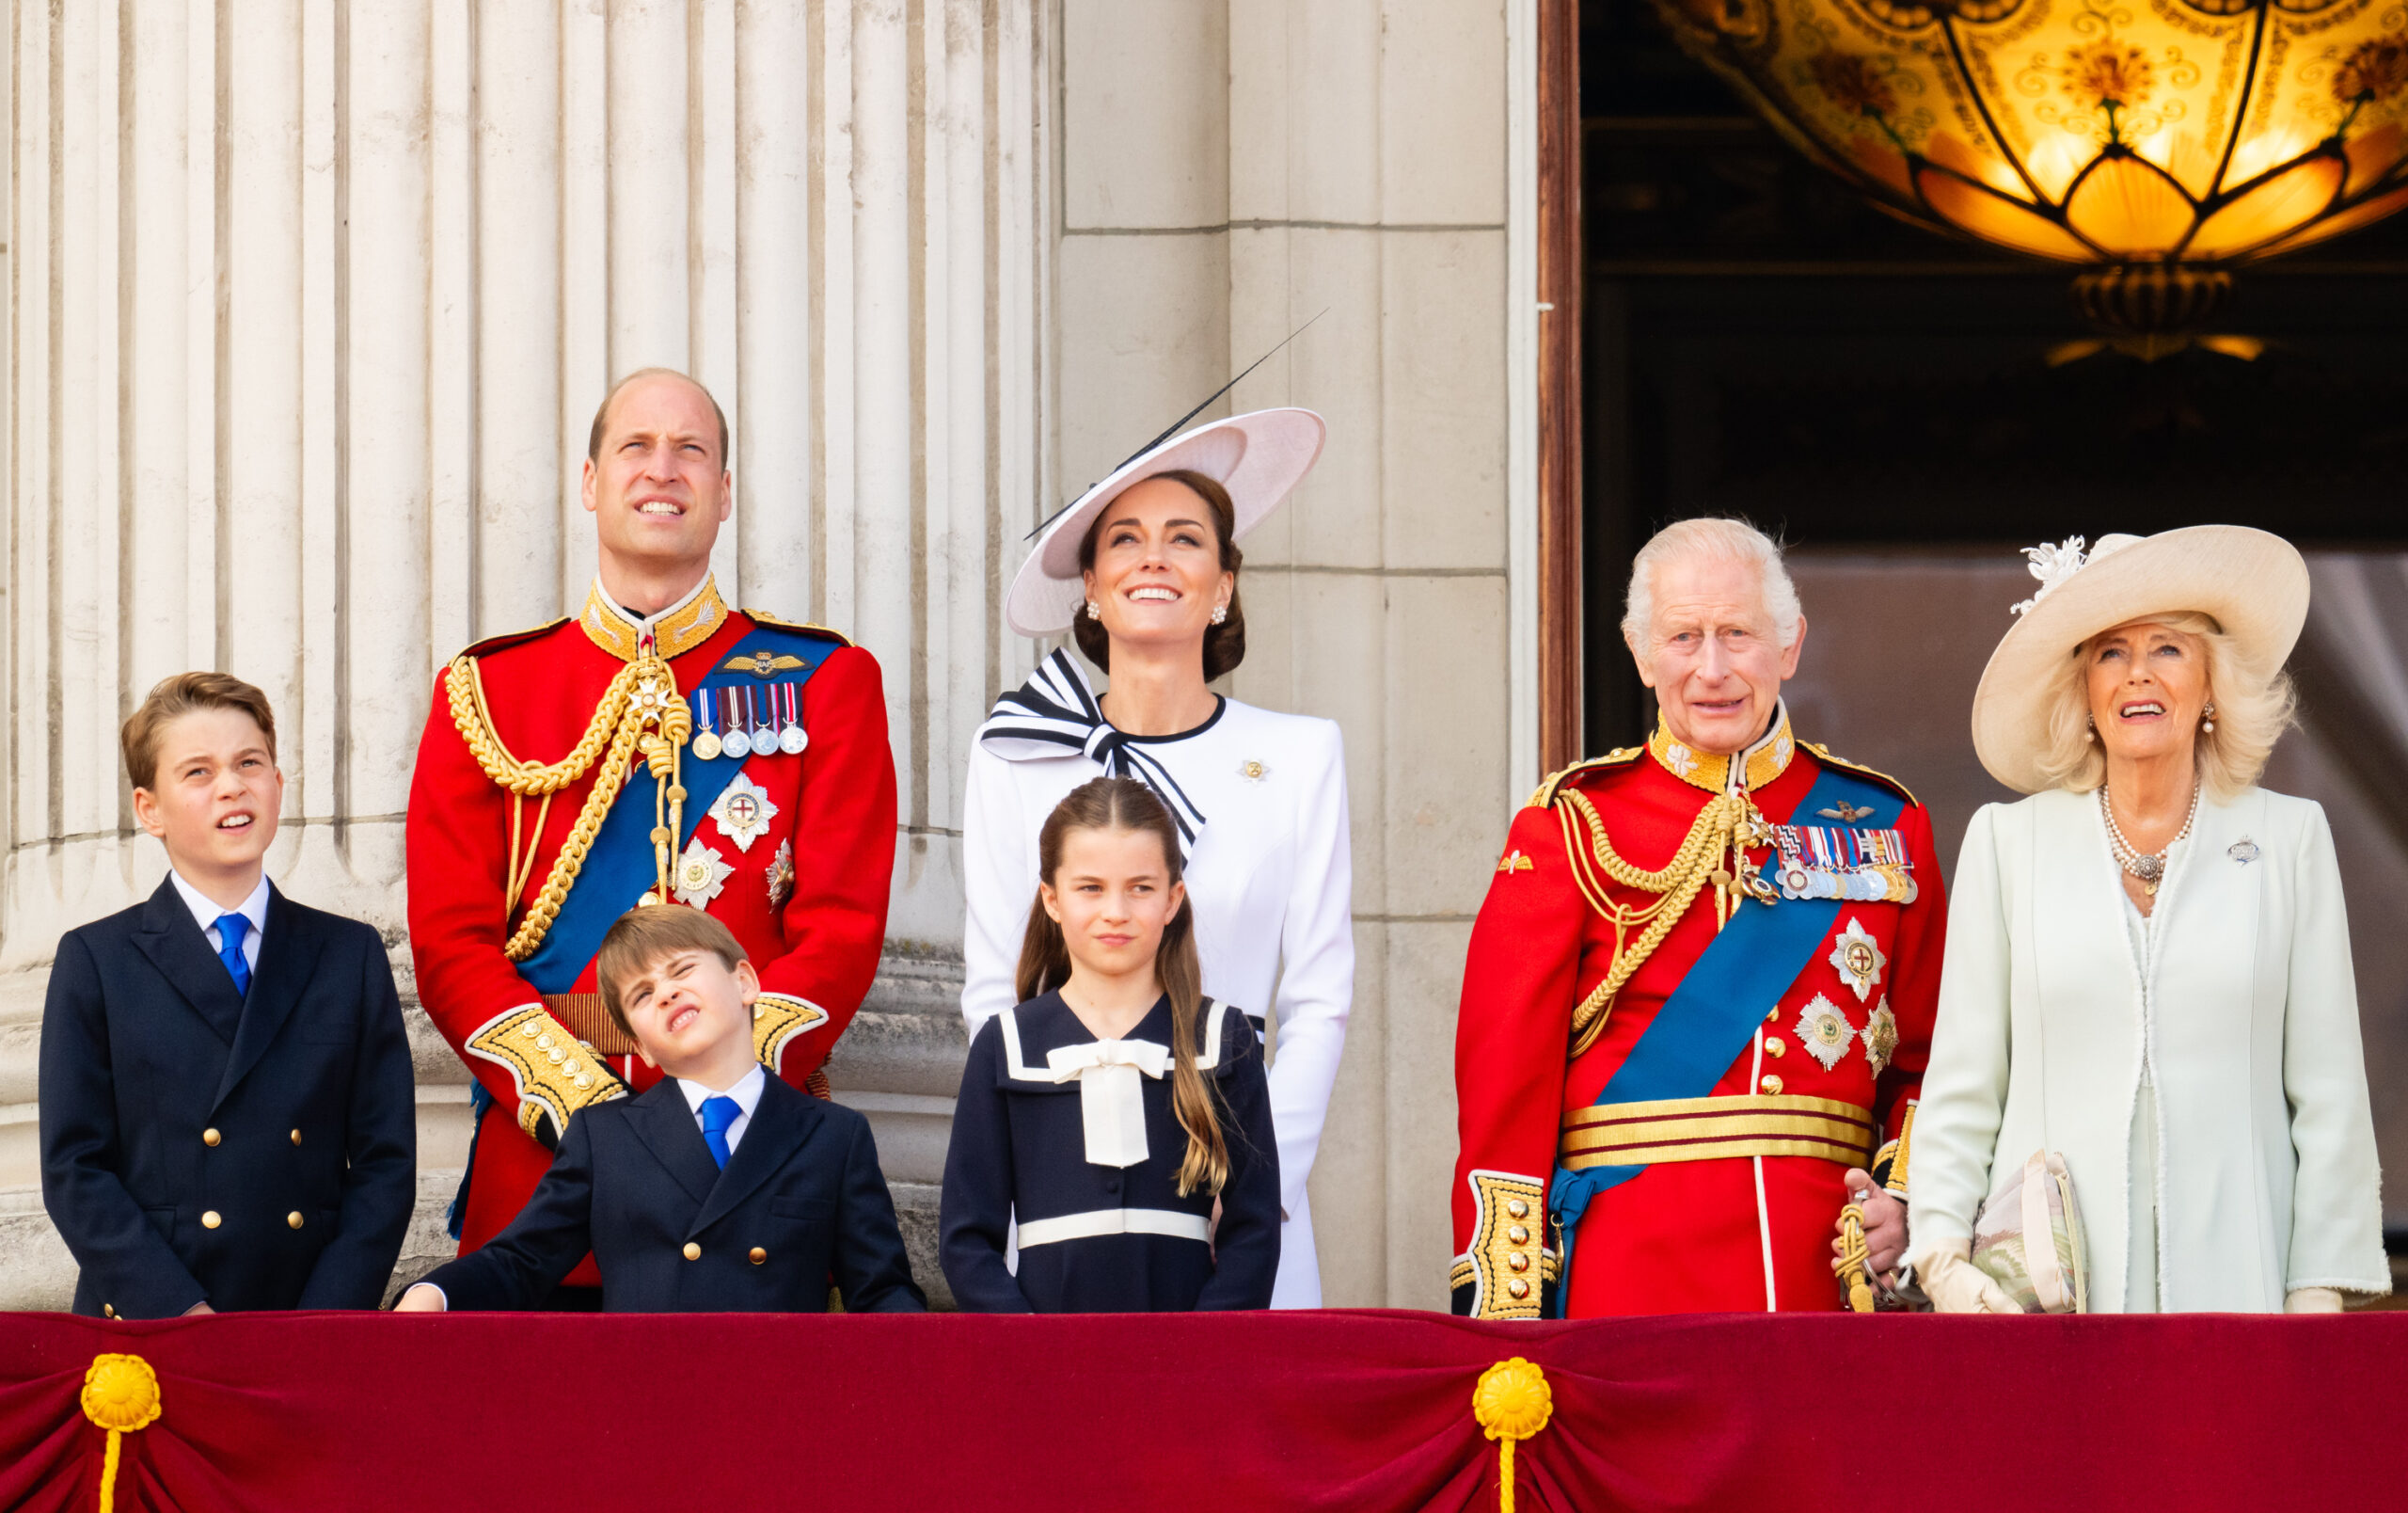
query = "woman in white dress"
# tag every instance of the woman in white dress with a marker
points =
(1144, 568)
(2148, 960)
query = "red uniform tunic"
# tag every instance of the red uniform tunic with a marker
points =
(1695, 1231)
(806, 896)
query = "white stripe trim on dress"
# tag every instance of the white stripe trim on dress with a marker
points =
(1168, 1221)
(1015, 1062)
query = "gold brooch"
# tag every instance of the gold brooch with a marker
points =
(1845, 812)
(1253, 771)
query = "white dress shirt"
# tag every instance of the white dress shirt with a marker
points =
(206, 915)
(747, 1094)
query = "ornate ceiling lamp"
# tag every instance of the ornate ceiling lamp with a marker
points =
(2160, 143)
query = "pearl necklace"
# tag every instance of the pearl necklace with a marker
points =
(2149, 869)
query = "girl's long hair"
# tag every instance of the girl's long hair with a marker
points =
(1122, 803)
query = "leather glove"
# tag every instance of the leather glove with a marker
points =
(2313, 1300)
(1956, 1285)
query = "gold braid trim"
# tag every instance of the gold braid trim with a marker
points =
(777, 1019)
(642, 711)
(1727, 824)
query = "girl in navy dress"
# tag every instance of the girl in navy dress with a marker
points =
(1115, 1111)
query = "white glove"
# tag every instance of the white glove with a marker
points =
(2313, 1300)
(1956, 1285)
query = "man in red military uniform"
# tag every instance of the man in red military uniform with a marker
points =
(1700, 993)
(657, 746)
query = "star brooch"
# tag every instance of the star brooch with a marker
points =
(1857, 957)
(1824, 1031)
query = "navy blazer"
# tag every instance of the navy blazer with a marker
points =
(256, 1152)
(1101, 1239)
(800, 1204)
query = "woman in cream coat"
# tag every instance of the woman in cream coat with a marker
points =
(1143, 569)
(2148, 960)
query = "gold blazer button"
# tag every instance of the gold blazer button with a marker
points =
(693, 1251)
(292, 1219)
(296, 1136)
(759, 1255)
(210, 1137)
(209, 1220)
(1773, 1047)
(1771, 1085)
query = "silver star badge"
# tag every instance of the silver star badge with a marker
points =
(744, 811)
(1824, 1031)
(1857, 959)
(701, 874)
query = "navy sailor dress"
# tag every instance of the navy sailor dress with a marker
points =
(1102, 1238)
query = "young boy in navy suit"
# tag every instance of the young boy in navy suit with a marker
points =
(721, 1190)
(227, 1119)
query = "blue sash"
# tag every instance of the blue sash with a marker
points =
(619, 868)
(1710, 1020)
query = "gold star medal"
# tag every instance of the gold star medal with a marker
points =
(1857, 957)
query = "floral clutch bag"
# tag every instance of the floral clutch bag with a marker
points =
(2028, 1239)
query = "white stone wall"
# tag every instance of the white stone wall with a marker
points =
(313, 300)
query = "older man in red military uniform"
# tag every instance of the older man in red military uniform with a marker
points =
(658, 747)
(1699, 993)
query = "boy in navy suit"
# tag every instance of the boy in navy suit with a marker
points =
(721, 1190)
(227, 1119)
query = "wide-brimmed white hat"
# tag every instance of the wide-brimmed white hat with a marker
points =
(1259, 457)
(2252, 584)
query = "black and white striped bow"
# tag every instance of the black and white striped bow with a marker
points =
(1056, 710)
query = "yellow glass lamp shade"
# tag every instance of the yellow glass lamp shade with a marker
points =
(2128, 134)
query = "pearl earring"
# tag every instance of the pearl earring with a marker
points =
(1095, 611)
(2208, 724)
(1220, 615)
(2089, 728)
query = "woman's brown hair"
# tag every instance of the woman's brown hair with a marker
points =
(1123, 804)
(1224, 644)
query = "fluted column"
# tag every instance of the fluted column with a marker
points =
(313, 302)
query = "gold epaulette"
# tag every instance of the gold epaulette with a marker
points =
(1544, 796)
(1823, 754)
(512, 638)
(765, 617)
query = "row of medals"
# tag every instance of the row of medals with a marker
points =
(745, 736)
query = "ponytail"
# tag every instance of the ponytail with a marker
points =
(1124, 803)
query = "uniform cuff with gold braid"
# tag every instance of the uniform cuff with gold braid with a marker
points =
(777, 1019)
(555, 1073)
(1505, 1272)
(1890, 1162)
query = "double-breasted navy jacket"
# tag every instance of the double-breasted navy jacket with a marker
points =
(197, 1145)
(800, 1204)
(1103, 1239)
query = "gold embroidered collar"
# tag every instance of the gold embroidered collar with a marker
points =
(1749, 770)
(671, 633)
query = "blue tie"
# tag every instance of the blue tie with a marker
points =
(719, 1115)
(230, 950)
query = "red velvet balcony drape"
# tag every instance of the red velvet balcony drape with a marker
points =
(1336, 1411)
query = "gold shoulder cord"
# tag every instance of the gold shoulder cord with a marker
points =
(1712, 852)
(640, 712)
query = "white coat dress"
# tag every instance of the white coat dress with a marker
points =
(2242, 1027)
(1270, 878)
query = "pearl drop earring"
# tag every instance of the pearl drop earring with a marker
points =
(2090, 730)
(2208, 724)
(1095, 611)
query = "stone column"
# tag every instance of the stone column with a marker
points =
(1230, 170)
(313, 302)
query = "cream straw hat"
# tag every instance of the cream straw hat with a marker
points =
(2252, 584)
(1259, 457)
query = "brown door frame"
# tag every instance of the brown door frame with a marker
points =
(1559, 271)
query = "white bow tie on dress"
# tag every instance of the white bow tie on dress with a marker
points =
(1112, 1099)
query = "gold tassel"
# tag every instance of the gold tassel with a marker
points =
(1855, 1259)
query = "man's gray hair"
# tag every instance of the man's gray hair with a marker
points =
(1710, 538)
